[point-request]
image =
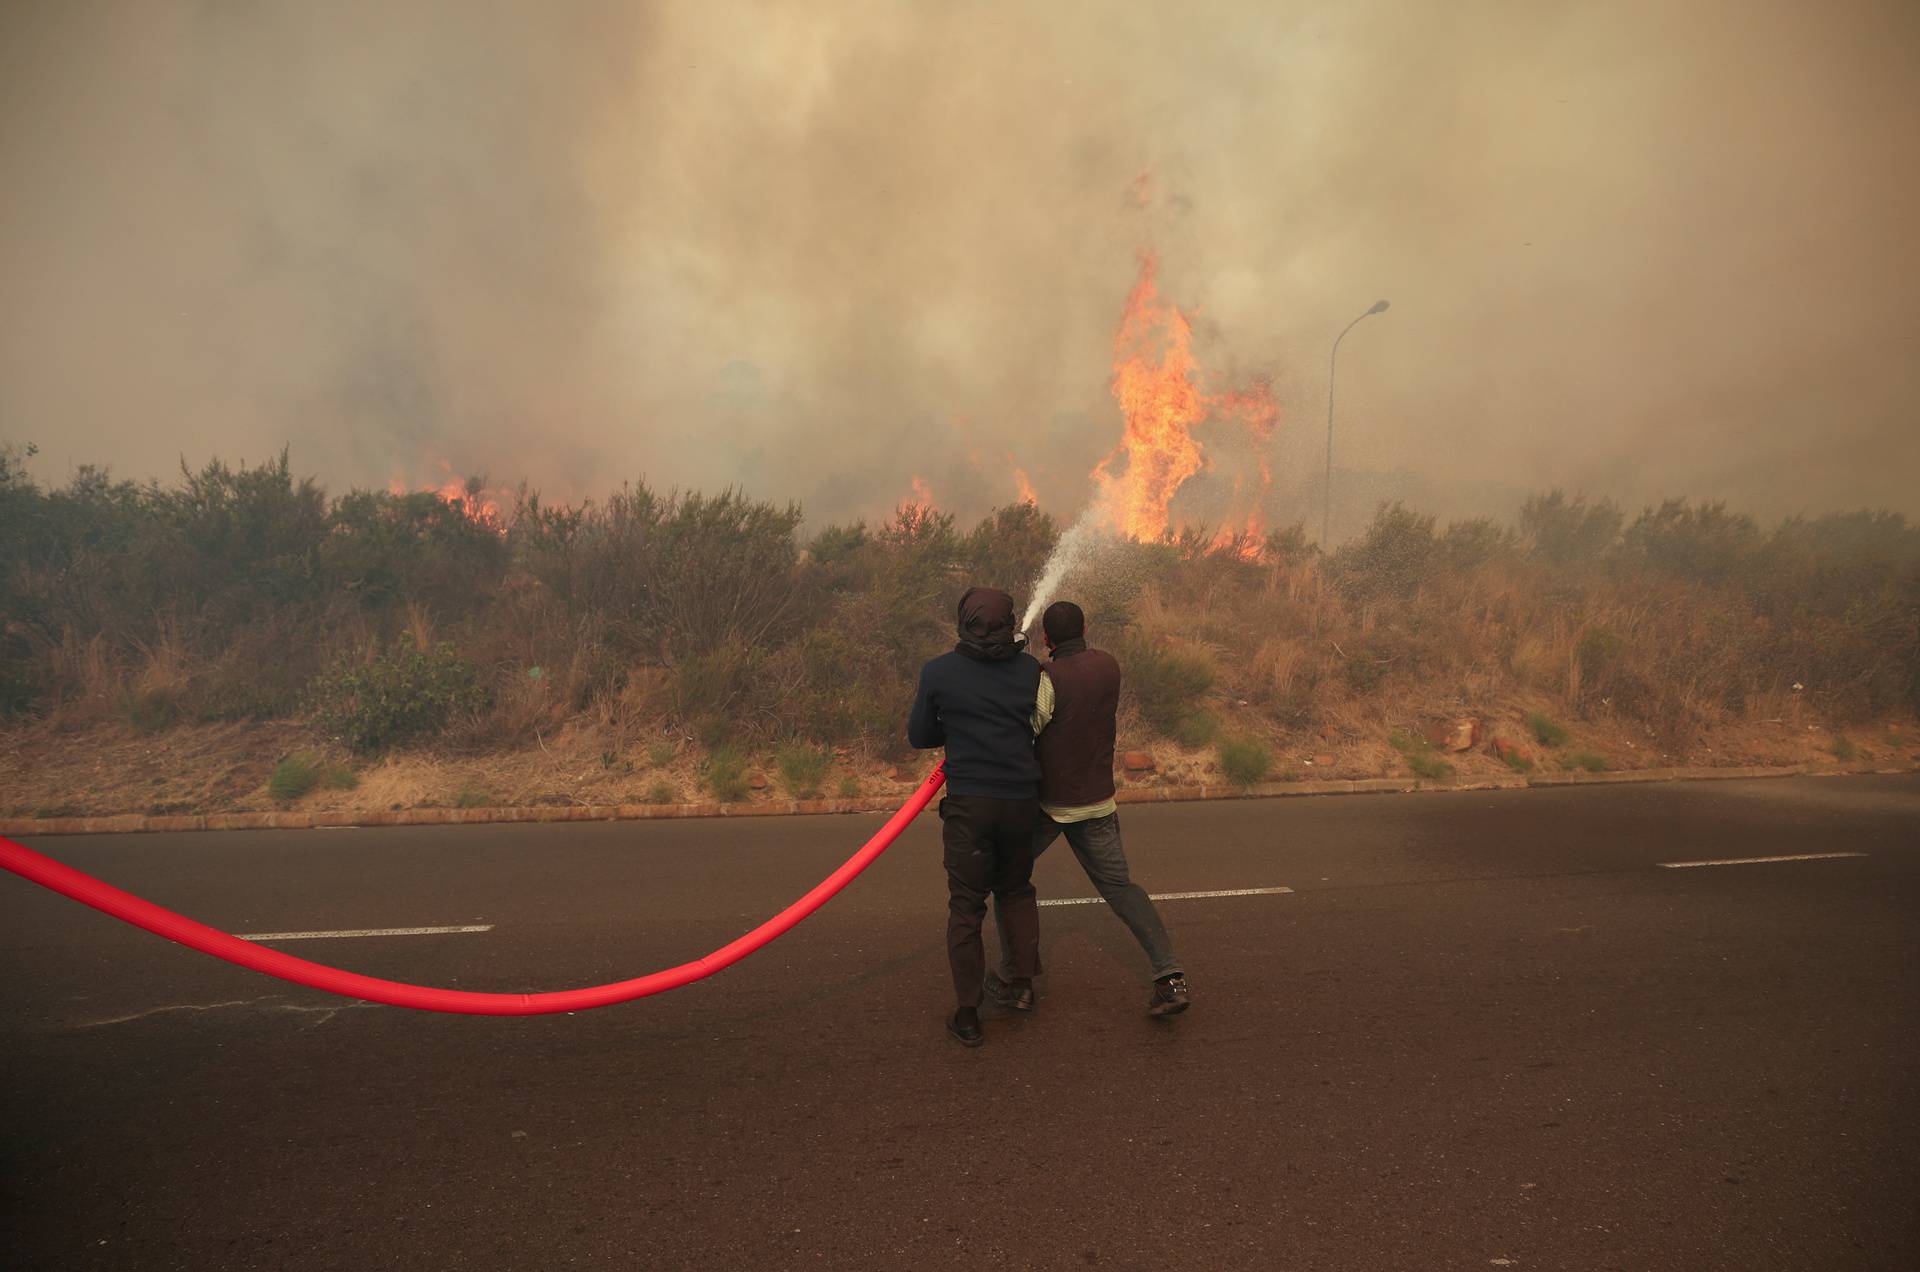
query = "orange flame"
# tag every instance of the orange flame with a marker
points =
(1025, 487)
(922, 493)
(1155, 381)
(468, 495)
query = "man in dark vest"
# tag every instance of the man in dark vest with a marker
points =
(978, 702)
(1078, 697)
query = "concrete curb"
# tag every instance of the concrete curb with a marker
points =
(138, 823)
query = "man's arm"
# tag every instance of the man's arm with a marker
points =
(924, 732)
(1043, 704)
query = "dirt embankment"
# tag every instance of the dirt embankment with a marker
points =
(49, 775)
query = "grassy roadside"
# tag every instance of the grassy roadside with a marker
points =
(231, 768)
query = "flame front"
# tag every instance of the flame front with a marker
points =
(467, 495)
(1155, 381)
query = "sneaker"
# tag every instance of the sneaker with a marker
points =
(1012, 997)
(1169, 996)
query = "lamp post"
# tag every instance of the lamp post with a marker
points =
(1326, 509)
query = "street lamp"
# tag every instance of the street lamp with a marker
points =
(1326, 509)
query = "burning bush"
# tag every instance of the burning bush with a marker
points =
(386, 550)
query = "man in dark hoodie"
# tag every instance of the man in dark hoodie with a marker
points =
(978, 702)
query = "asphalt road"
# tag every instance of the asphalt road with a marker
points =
(1483, 1030)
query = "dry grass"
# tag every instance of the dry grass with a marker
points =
(226, 767)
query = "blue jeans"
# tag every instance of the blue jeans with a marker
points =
(1096, 845)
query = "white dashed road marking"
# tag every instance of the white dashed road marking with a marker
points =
(1173, 896)
(317, 936)
(1755, 861)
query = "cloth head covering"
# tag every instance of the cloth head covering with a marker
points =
(986, 625)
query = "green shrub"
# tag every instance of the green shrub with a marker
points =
(1843, 749)
(838, 545)
(663, 792)
(710, 690)
(401, 695)
(1545, 731)
(1365, 668)
(150, 708)
(386, 549)
(673, 573)
(803, 768)
(1195, 729)
(1165, 684)
(1394, 557)
(20, 688)
(1289, 546)
(1421, 757)
(1699, 541)
(660, 754)
(260, 674)
(246, 541)
(727, 775)
(1009, 548)
(1469, 544)
(1566, 531)
(469, 796)
(297, 774)
(1587, 760)
(1245, 760)
(1599, 651)
(1517, 762)
(293, 777)
(849, 786)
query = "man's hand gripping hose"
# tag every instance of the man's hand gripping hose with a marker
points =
(88, 890)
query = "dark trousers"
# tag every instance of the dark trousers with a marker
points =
(989, 849)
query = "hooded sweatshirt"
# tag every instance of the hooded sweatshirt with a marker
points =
(977, 701)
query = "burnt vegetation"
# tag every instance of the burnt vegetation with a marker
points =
(663, 618)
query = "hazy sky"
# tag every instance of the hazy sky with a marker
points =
(1635, 248)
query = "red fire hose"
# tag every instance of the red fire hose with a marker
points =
(88, 890)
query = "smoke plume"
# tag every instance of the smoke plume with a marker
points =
(819, 250)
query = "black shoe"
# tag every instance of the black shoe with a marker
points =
(964, 1025)
(1169, 996)
(1012, 997)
